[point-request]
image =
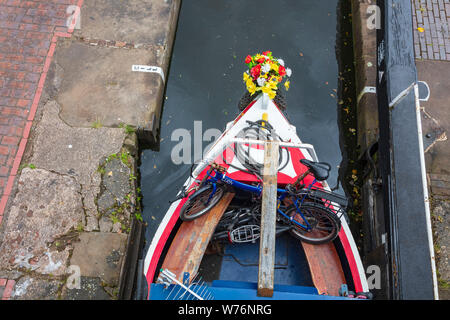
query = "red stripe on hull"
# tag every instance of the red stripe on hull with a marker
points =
(351, 261)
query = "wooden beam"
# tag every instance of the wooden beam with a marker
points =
(188, 247)
(325, 266)
(268, 220)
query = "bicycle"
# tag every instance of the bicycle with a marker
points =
(313, 213)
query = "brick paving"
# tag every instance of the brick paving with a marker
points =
(431, 23)
(6, 288)
(28, 34)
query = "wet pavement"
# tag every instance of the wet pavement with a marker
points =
(205, 82)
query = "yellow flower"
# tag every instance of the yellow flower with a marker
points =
(286, 84)
(273, 85)
(265, 89)
(274, 67)
(270, 92)
(251, 87)
(246, 76)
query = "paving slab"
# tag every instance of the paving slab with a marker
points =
(90, 289)
(28, 288)
(76, 152)
(47, 205)
(116, 200)
(100, 254)
(99, 88)
(435, 73)
(135, 21)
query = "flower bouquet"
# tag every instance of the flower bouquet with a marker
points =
(265, 73)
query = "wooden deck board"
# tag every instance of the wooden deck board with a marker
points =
(188, 247)
(325, 266)
(266, 271)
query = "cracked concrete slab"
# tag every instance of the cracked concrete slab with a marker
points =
(76, 152)
(116, 200)
(47, 205)
(28, 288)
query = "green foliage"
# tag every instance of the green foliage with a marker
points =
(96, 124)
(80, 227)
(27, 165)
(138, 216)
(101, 170)
(124, 157)
(128, 129)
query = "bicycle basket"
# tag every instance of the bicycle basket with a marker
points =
(335, 202)
(246, 233)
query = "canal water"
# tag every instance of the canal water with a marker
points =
(205, 83)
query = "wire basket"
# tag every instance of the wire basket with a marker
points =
(334, 202)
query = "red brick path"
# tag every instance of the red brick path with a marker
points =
(28, 35)
(7, 287)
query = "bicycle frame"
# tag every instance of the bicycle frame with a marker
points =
(283, 193)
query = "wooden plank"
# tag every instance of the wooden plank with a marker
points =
(325, 266)
(268, 220)
(188, 247)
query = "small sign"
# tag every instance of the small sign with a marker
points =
(152, 69)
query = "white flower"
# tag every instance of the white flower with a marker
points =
(261, 81)
(281, 62)
(265, 68)
(288, 72)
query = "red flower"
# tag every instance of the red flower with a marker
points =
(281, 71)
(248, 59)
(266, 53)
(261, 60)
(255, 71)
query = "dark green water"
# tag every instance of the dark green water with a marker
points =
(205, 81)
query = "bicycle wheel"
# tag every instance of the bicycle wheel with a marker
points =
(325, 226)
(201, 202)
